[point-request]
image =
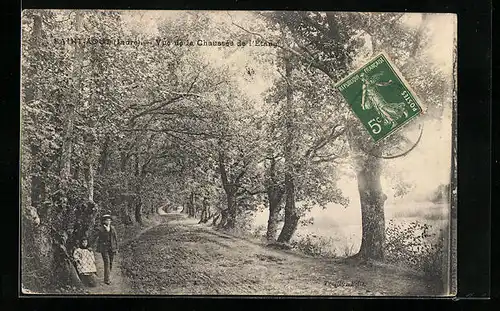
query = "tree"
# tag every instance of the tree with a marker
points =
(304, 135)
(238, 155)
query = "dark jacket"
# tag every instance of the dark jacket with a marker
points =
(106, 240)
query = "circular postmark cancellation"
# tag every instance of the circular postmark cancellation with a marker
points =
(162, 42)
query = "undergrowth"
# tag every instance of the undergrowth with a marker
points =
(414, 245)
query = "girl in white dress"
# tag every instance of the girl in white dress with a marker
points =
(85, 263)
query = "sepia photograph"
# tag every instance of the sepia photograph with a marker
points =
(248, 153)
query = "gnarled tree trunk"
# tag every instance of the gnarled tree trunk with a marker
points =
(291, 215)
(274, 209)
(36, 246)
(137, 203)
(61, 217)
(274, 196)
(372, 200)
(190, 205)
(228, 220)
(205, 212)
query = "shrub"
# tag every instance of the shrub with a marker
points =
(316, 246)
(348, 250)
(412, 244)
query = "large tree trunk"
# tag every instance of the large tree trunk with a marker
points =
(138, 209)
(90, 137)
(272, 222)
(36, 238)
(123, 200)
(90, 159)
(191, 208)
(291, 215)
(372, 197)
(104, 157)
(229, 214)
(231, 210)
(274, 196)
(372, 201)
(65, 212)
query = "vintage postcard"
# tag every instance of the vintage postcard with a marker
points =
(238, 153)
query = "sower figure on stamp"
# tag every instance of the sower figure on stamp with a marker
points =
(107, 245)
(372, 99)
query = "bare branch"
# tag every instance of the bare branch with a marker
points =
(323, 141)
(312, 62)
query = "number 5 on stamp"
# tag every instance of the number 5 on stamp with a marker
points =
(379, 96)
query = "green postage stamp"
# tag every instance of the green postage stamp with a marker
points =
(379, 97)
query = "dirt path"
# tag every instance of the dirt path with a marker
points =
(181, 257)
(119, 283)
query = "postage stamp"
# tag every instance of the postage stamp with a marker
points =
(379, 96)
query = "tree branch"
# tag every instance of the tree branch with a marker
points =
(323, 141)
(179, 95)
(314, 63)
